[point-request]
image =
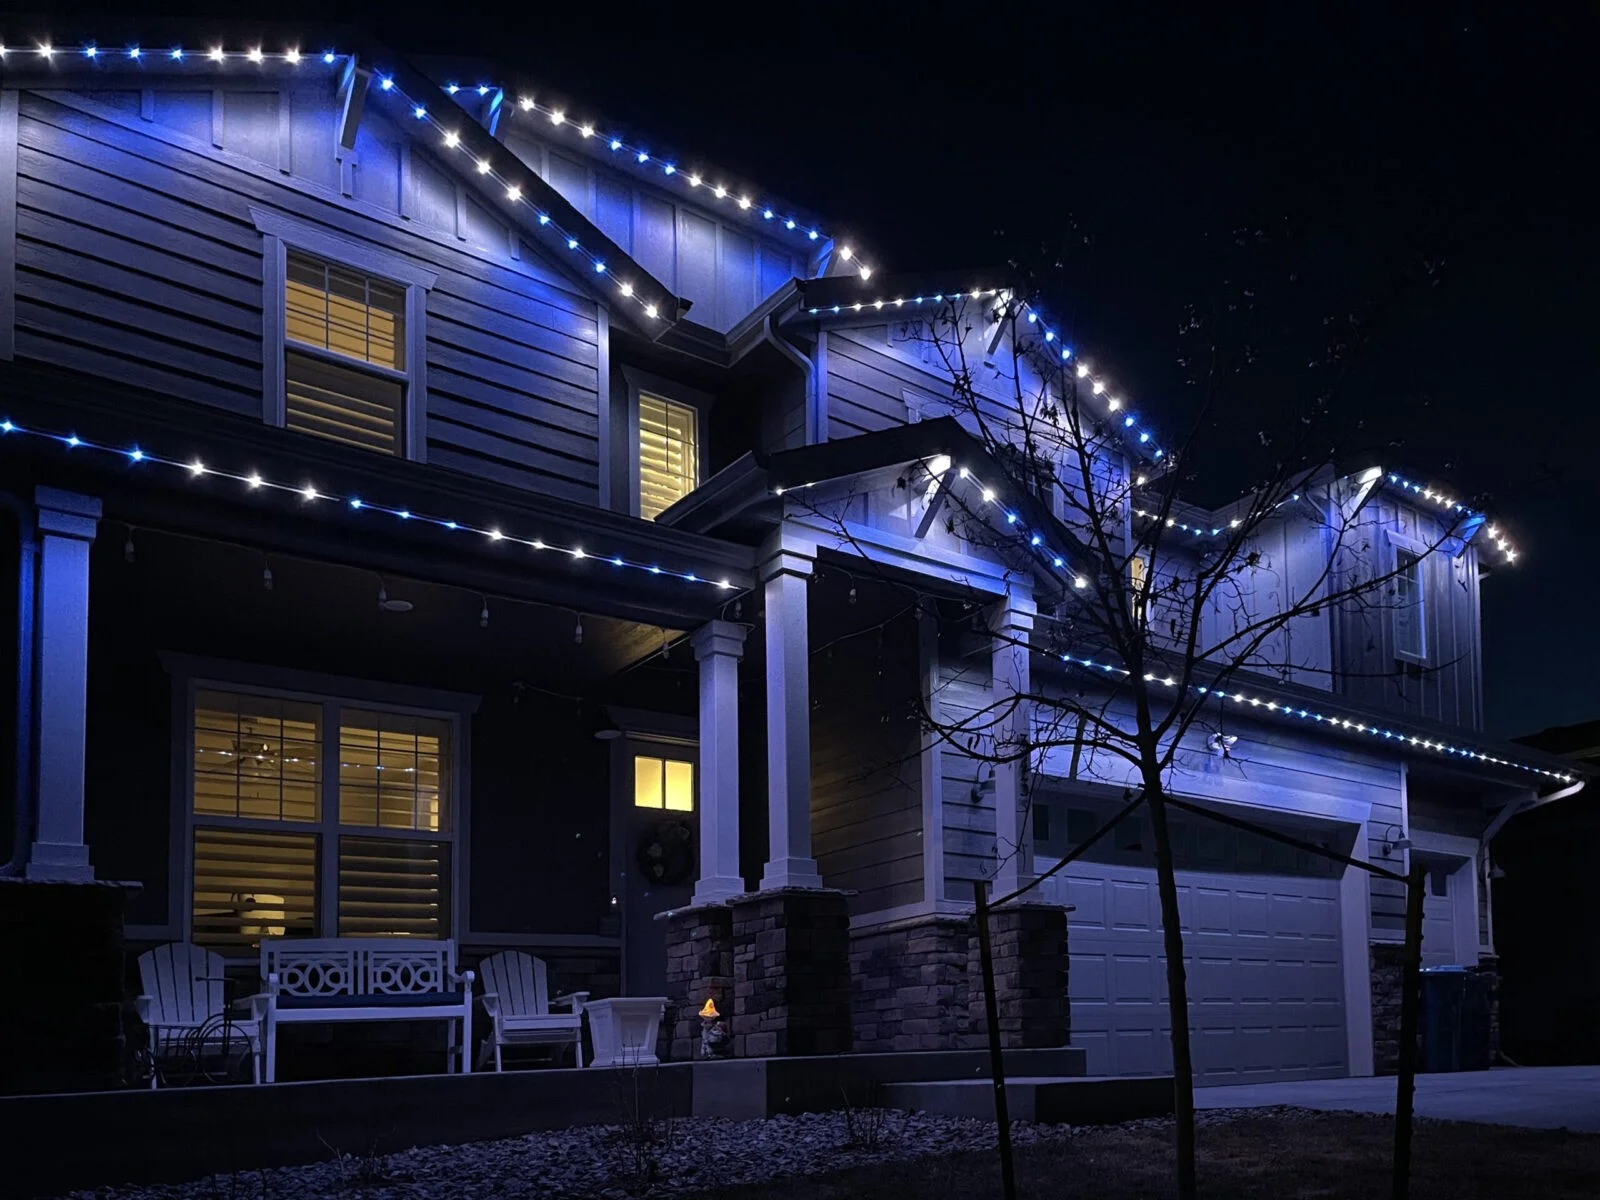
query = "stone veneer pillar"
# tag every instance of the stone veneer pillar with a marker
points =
(1387, 960)
(911, 985)
(699, 967)
(791, 973)
(1029, 944)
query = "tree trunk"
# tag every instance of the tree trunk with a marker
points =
(1177, 992)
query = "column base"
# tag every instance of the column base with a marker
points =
(784, 873)
(912, 990)
(714, 889)
(59, 862)
(1029, 945)
(699, 968)
(791, 973)
(1387, 961)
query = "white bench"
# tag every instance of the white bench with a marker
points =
(364, 979)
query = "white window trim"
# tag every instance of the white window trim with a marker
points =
(333, 694)
(644, 382)
(1395, 543)
(279, 235)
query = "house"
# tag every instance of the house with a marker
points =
(416, 493)
(1550, 984)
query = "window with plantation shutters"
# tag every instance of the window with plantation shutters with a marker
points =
(310, 816)
(344, 363)
(669, 463)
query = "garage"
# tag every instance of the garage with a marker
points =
(1262, 944)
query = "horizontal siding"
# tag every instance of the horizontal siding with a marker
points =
(138, 259)
(866, 790)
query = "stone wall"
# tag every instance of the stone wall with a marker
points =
(62, 1018)
(1387, 961)
(1489, 968)
(1029, 945)
(910, 981)
(791, 973)
(699, 967)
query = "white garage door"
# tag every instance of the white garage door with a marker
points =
(1266, 998)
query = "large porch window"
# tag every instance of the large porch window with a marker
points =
(285, 842)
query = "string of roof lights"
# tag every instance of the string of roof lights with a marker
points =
(1344, 724)
(1096, 383)
(700, 180)
(1443, 500)
(310, 494)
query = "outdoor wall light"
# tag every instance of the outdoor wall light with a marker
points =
(1399, 844)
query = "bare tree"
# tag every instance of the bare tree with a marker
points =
(1166, 609)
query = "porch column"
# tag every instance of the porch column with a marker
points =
(1011, 622)
(66, 523)
(718, 646)
(785, 577)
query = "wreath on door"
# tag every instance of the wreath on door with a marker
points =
(666, 853)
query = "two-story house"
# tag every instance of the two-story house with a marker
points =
(395, 462)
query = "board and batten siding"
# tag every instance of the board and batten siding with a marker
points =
(1449, 686)
(138, 259)
(866, 782)
(725, 269)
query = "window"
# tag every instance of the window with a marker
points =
(665, 783)
(282, 846)
(1410, 632)
(1138, 577)
(344, 359)
(668, 454)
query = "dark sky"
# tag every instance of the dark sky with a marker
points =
(1130, 146)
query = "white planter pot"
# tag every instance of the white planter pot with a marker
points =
(624, 1030)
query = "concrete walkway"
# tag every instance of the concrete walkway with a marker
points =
(1537, 1097)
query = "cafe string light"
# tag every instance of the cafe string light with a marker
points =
(1288, 709)
(309, 494)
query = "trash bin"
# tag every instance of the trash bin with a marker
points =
(1455, 1020)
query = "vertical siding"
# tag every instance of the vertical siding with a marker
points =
(724, 268)
(1449, 687)
(966, 783)
(866, 791)
(138, 259)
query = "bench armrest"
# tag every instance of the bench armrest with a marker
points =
(491, 1004)
(144, 1006)
(255, 1005)
(573, 1000)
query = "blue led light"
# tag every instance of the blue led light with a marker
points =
(572, 243)
(643, 157)
(1129, 422)
(452, 88)
(419, 112)
(1144, 437)
(355, 502)
(177, 53)
(599, 268)
(91, 51)
(616, 143)
(328, 57)
(136, 454)
(387, 83)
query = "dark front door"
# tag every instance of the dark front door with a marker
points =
(657, 797)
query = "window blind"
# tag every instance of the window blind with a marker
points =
(392, 888)
(668, 454)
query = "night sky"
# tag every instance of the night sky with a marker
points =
(1424, 171)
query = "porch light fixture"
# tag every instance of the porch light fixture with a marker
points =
(605, 729)
(1399, 845)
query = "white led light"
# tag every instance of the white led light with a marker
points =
(694, 180)
(292, 57)
(866, 274)
(586, 130)
(484, 166)
(47, 50)
(255, 54)
(1099, 387)
(650, 311)
(846, 253)
(744, 201)
(254, 480)
(988, 496)
(513, 193)
(527, 103)
(719, 191)
(495, 535)
(626, 289)
(557, 116)
(197, 468)
(309, 492)
(452, 139)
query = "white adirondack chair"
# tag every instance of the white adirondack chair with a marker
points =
(517, 999)
(183, 991)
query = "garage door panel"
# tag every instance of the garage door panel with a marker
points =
(1263, 960)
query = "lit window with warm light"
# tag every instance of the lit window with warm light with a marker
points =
(663, 783)
(669, 457)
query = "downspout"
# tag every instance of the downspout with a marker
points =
(769, 333)
(27, 551)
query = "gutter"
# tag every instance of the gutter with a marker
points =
(1521, 806)
(26, 564)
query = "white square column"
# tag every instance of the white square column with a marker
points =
(718, 647)
(1011, 623)
(786, 578)
(66, 522)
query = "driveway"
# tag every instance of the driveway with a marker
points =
(1537, 1097)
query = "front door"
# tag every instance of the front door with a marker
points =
(656, 787)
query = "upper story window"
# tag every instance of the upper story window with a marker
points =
(669, 454)
(1408, 614)
(281, 846)
(344, 361)
(343, 322)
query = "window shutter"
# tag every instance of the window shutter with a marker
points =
(392, 888)
(250, 885)
(668, 455)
